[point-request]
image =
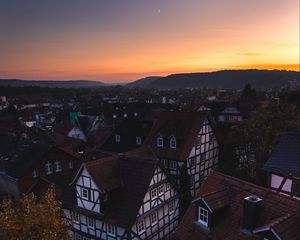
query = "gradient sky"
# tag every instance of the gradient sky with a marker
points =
(123, 40)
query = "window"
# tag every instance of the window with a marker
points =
(91, 222)
(160, 141)
(140, 226)
(203, 216)
(117, 137)
(171, 207)
(193, 162)
(153, 218)
(111, 229)
(198, 141)
(164, 162)
(77, 237)
(173, 142)
(85, 238)
(167, 186)
(48, 168)
(138, 141)
(211, 139)
(75, 217)
(57, 166)
(154, 193)
(192, 181)
(173, 165)
(296, 187)
(85, 193)
(160, 190)
(202, 157)
(71, 164)
(34, 173)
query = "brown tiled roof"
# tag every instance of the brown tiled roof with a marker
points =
(216, 200)
(126, 180)
(184, 126)
(228, 221)
(105, 172)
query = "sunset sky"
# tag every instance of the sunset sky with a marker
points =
(123, 40)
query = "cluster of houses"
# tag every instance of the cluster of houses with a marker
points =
(153, 176)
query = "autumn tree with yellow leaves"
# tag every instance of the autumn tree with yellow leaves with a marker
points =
(32, 218)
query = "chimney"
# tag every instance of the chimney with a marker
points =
(252, 212)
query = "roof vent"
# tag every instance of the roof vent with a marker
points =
(252, 212)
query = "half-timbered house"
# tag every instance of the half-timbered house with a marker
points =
(283, 166)
(122, 197)
(186, 144)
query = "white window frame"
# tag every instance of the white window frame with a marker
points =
(160, 190)
(75, 217)
(173, 142)
(49, 169)
(203, 216)
(153, 193)
(117, 138)
(160, 141)
(77, 236)
(57, 166)
(173, 165)
(138, 140)
(171, 206)
(153, 218)
(91, 223)
(83, 193)
(193, 162)
(140, 225)
(111, 229)
(168, 186)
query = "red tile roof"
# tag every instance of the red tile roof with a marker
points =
(227, 224)
(184, 126)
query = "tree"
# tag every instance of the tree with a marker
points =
(32, 218)
(251, 143)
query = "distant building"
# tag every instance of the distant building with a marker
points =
(283, 166)
(228, 208)
(230, 115)
(121, 197)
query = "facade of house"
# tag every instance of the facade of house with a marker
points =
(230, 115)
(186, 144)
(122, 197)
(228, 208)
(283, 166)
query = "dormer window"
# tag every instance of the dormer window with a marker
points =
(203, 216)
(173, 142)
(160, 141)
(138, 141)
(117, 138)
(48, 168)
(57, 166)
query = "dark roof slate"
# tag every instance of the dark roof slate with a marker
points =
(285, 158)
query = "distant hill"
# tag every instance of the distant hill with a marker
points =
(51, 84)
(234, 79)
(143, 82)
